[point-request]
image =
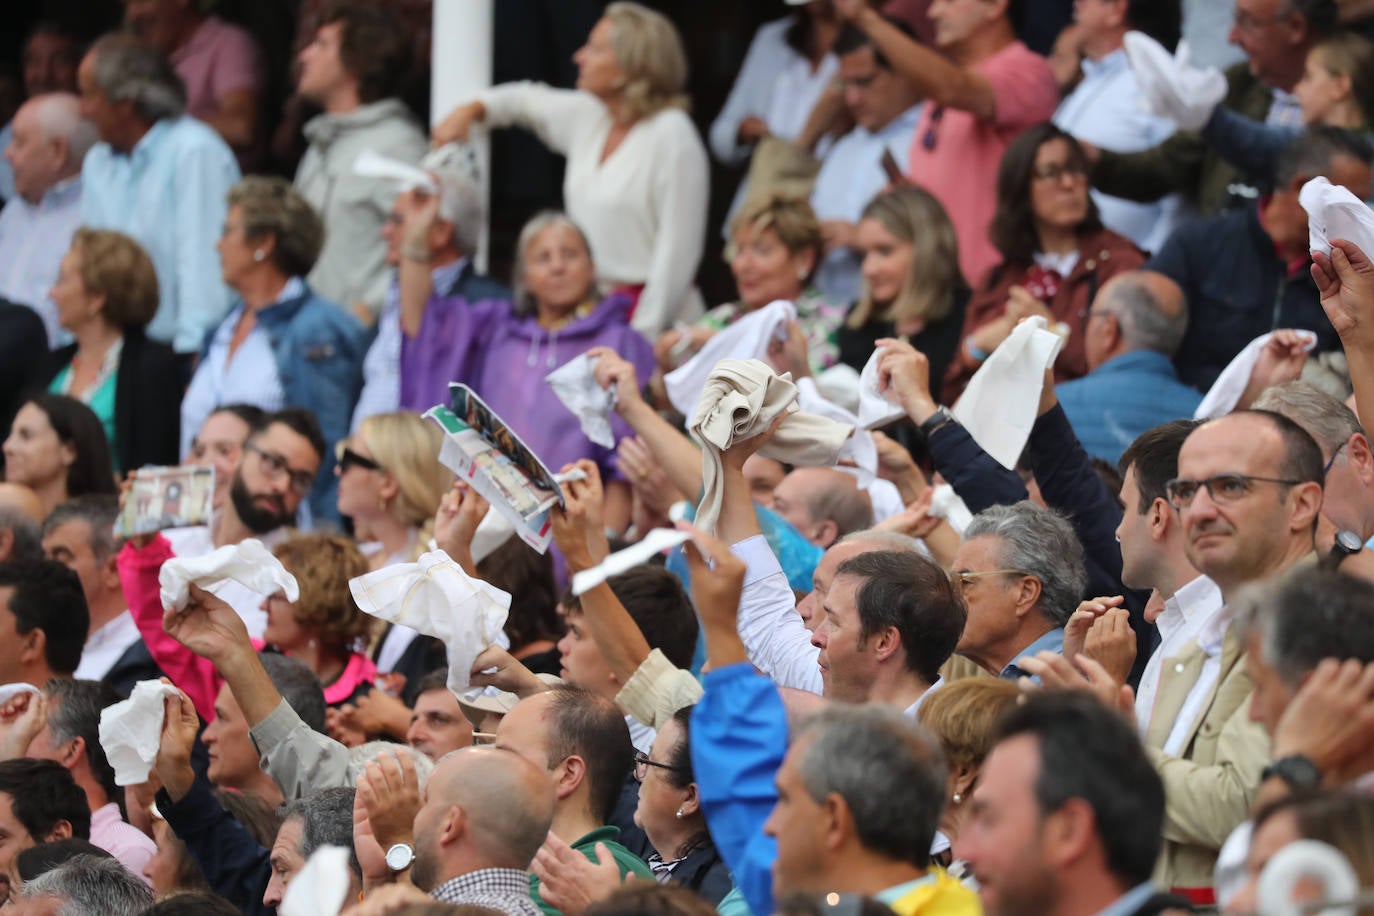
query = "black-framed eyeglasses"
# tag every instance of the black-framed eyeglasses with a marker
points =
(642, 764)
(275, 466)
(1330, 462)
(1224, 489)
(1056, 171)
(348, 458)
(932, 134)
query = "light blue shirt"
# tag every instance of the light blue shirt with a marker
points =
(251, 377)
(382, 365)
(1130, 901)
(1106, 110)
(1053, 641)
(851, 176)
(169, 193)
(7, 189)
(33, 239)
(1206, 25)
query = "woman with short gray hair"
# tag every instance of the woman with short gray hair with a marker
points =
(282, 345)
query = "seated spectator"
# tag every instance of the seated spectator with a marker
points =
(173, 204)
(1055, 255)
(21, 518)
(454, 236)
(644, 216)
(39, 803)
(824, 504)
(23, 348)
(982, 87)
(44, 857)
(962, 715)
(437, 725)
(1106, 108)
(775, 245)
(219, 444)
(49, 58)
(57, 448)
(503, 350)
(71, 736)
(323, 819)
(885, 107)
(172, 871)
(1021, 571)
(354, 69)
(89, 884)
(1130, 333)
(1245, 272)
(218, 62)
(282, 344)
(50, 141)
(47, 614)
(105, 294)
(912, 287)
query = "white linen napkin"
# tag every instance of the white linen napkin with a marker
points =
(1170, 86)
(747, 338)
(1225, 392)
(321, 885)
(248, 563)
(656, 541)
(131, 731)
(874, 409)
(1335, 213)
(576, 387)
(999, 405)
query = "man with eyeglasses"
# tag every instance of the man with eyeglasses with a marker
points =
(280, 462)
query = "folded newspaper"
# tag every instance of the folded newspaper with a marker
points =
(486, 453)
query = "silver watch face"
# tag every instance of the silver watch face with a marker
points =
(1349, 542)
(399, 856)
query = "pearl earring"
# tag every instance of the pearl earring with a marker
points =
(957, 798)
(679, 813)
(258, 255)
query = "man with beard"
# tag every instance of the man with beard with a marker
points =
(280, 462)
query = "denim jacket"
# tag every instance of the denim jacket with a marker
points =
(319, 348)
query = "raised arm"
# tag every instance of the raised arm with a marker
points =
(1346, 281)
(675, 453)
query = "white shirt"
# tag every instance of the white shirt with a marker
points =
(752, 94)
(1209, 638)
(796, 89)
(911, 711)
(197, 542)
(33, 239)
(643, 209)
(106, 646)
(772, 631)
(250, 377)
(851, 175)
(1184, 614)
(641, 735)
(1106, 110)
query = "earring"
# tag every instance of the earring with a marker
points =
(957, 798)
(258, 255)
(801, 275)
(679, 813)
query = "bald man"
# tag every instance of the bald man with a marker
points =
(484, 813)
(1130, 335)
(50, 141)
(21, 521)
(824, 504)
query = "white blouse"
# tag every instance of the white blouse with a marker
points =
(643, 209)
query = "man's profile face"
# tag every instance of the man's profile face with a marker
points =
(847, 670)
(437, 724)
(14, 839)
(70, 544)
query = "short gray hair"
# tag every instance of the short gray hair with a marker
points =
(1325, 419)
(92, 886)
(128, 69)
(59, 115)
(1040, 543)
(27, 534)
(326, 820)
(1305, 616)
(455, 169)
(889, 771)
(524, 302)
(99, 511)
(1145, 325)
(884, 540)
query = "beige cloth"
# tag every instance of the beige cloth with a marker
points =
(741, 400)
(657, 689)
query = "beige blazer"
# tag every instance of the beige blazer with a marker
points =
(1209, 788)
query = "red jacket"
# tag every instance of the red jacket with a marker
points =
(1101, 256)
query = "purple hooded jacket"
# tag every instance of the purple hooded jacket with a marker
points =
(504, 358)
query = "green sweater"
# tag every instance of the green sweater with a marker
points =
(630, 864)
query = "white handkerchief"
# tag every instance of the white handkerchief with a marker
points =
(656, 541)
(10, 691)
(946, 504)
(1170, 86)
(840, 385)
(371, 164)
(1335, 213)
(576, 387)
(858, 448)
(999, 405)
(131, 731)
(248, 563)
(1225, 392)
(434, 596)
(320, 887)
(885, 498)
(746, 338)
(874, 409)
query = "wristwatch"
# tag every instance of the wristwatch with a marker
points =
(1346, 544)
(399, 857)
(935, 422)
(1298, 771)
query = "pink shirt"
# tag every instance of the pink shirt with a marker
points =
(218, 59)
(125, 842)
(960, 166)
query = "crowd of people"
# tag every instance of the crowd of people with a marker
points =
(938, 633)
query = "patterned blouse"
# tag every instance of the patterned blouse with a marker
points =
(819, 319)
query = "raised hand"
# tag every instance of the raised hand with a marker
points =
(1331, 720)
(456, 127)
(207, 626)
(717, 583)
(614, 371)
(1345, 280)
(578, 526)
(455, 524)
(1111, 643)
(180, 725)
(904, 378)
(22, 717)
(1082, 619)
(390, 791)
(495, 667)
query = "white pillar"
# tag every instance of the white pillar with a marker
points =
(460, 66)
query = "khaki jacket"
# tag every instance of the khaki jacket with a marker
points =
(1210, 787)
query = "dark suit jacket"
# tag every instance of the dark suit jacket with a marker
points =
(23, 347)
(136, 664)
(148, 394)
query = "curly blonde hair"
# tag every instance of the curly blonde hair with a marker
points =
(322, 565)
(649, 50)
(116, 267)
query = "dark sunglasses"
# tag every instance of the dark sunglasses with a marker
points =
(348, 458)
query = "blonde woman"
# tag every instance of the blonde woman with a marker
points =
(912, 288)
(106, 293)
(636, 179)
